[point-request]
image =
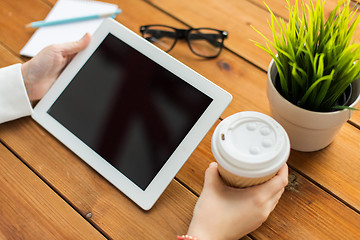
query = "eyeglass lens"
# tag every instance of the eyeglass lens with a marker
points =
(203, 42)
(161, 36)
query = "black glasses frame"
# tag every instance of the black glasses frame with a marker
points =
(184, 34)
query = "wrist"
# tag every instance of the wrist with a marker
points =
(199, 231)
(187, 237)
(24, 73)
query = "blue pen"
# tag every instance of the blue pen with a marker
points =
(70, 20)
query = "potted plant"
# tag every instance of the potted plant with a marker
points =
(313, 78)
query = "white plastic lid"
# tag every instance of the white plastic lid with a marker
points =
(250, 144)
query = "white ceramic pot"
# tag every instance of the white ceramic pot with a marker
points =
(308, 130)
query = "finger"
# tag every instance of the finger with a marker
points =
(275, 200)
(281, 177)
(277, 183)
(212, 177)
(283, 173)
(71, 48)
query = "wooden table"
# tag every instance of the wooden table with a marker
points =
(47, 192)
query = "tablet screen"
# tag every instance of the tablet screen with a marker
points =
(128, 109)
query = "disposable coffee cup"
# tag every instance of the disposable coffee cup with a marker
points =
(250, 148)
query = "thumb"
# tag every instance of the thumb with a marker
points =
(212, 177)
(74, 47)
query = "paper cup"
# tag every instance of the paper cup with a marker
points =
(250, 148)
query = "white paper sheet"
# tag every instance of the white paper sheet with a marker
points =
(64, 9)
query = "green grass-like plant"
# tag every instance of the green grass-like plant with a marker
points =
(316, 59)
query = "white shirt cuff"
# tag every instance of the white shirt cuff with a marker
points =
(14, 101)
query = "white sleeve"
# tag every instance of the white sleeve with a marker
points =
(14, 102)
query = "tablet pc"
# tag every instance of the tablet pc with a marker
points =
(131, 111)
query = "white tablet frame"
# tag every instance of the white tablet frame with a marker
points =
(145, 199)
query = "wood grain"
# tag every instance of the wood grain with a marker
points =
(306, 211)
(6, 57)
(246, 83)
(13, 17)
(31, 210)
(87, 192)
(244, 14)
(244, 80)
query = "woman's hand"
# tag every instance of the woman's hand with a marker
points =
(41, 71)
(223, 212)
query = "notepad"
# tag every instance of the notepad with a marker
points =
(64, 9)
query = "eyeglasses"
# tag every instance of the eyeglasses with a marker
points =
(204, 42)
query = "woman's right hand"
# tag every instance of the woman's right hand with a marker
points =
(224, 212)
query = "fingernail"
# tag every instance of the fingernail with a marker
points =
(84, 35)
(213, 164)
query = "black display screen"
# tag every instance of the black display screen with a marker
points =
(130, 110)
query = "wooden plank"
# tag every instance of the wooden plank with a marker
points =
(133, 21)
(335, 168)
(243, 80)
(295, 215)
(13, 17)
(247, 84)
(31, 210)
(228, 71)
(6, 57)
(110, 210)
(304, 212)
(85, 190)
(244, 14)
(55, 162)
(279, 7)
(105, 210)
(232, 15)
